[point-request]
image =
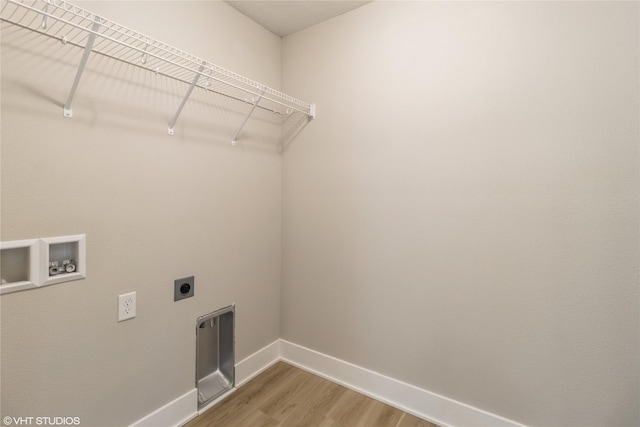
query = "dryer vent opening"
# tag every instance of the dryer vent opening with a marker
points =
(215, 361)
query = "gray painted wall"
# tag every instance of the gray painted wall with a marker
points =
(154, 208)
(463, 214)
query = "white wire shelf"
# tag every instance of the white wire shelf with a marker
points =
(79, 27)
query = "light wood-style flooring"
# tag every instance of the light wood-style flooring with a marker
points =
(284, 395)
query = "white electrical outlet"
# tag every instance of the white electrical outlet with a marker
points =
(126, 306)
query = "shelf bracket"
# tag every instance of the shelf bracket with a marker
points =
(45, 15)
(246, 119)
(184, 100)
(68, 110)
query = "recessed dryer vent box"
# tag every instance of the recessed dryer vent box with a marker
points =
(215, 355)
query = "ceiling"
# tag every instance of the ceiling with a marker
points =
(286, 17)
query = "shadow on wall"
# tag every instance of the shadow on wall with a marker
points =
(132, 98)
(291, 128)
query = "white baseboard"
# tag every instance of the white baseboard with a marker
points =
(184, 408)
(422, 403)
(215, 401)
(252, 365)
(174, 414)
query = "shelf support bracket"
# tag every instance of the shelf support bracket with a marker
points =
(68, 110)
(246, 119)
(186, 97)
(45, 15)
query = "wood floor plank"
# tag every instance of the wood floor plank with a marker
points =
(293, 398)
(258, 419)
(286, 396)
(349, 409)
(409, 420)
(323, 398)
(379, 414)
(247, 398)
(324, 422)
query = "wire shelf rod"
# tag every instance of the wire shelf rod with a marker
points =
(206, 88)
(244, 122)
(166, 54)
(184, 100)
(68, 110)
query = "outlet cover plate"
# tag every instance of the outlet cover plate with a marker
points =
(183, 288)
(126, 306)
